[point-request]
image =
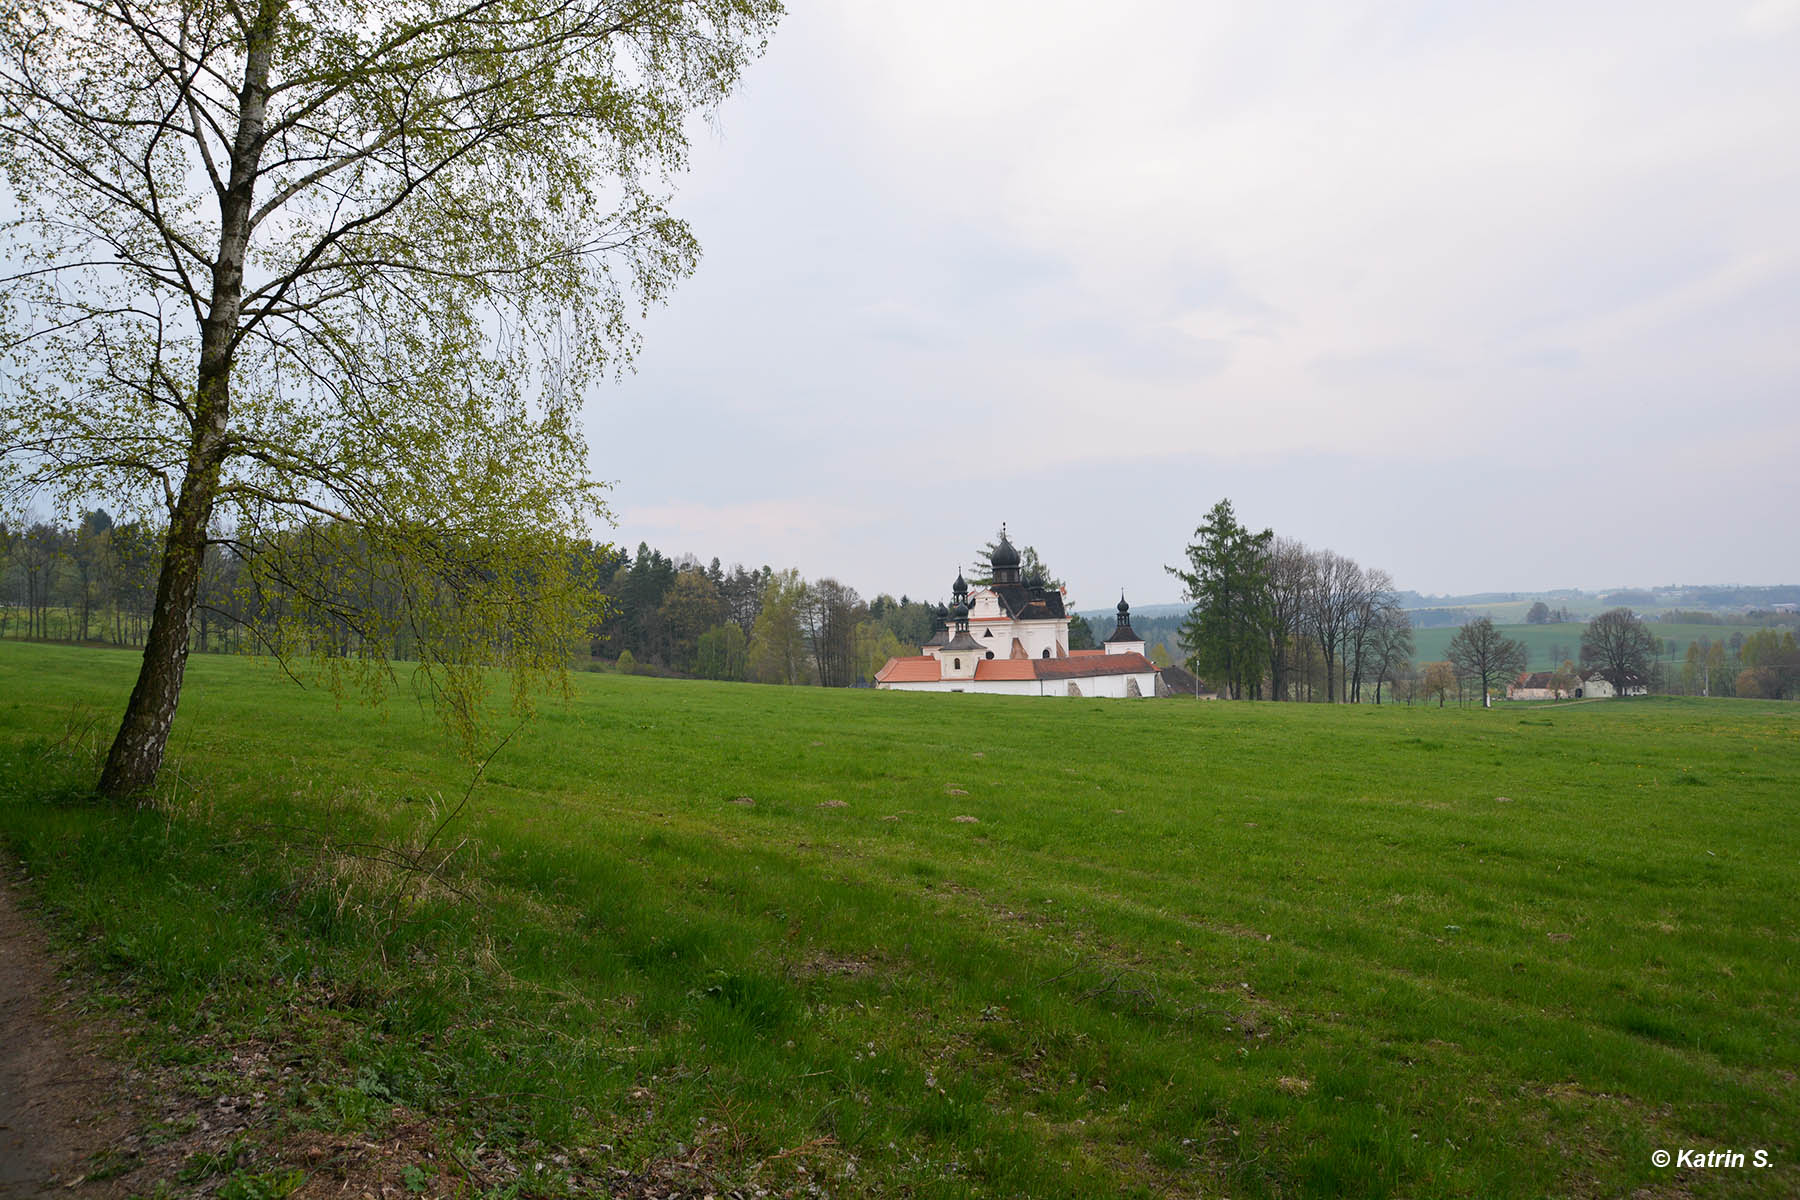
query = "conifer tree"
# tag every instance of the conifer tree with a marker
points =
(1227, 579)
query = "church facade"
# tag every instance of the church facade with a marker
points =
(1012, 638)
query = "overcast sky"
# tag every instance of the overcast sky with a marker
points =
(1495, 296)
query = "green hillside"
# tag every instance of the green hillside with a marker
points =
(1541, 641)
(689, 938)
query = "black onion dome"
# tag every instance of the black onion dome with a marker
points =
(1004, 554)
(960, 611)
(1123, 632)
(960, 587)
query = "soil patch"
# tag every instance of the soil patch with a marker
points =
(61, 1100)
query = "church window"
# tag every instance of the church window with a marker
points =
(990, 654)
(988, 633)
(956, 664)
(1046, 652)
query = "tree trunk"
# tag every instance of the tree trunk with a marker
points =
(137, 752)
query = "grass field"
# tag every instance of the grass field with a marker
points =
(733, 936)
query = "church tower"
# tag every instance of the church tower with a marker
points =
(959, 655)
(1124, 639)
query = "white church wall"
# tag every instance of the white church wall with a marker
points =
(998, 687)
(1116, 687)
(1109, 687)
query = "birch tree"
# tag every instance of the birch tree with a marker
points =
(317, 280)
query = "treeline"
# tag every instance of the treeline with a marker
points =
(96, 582)
(1745, 598)
(1756, 619)
(762, 625)
(93, 582)
(1761, 665)
(1272, 618)
(1276, 619)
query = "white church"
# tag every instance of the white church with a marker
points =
(1012, 638)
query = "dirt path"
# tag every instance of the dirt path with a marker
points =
(59, 1097)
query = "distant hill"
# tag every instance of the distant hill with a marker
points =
(1160, 622)
(1110, 613)
(1510, 607)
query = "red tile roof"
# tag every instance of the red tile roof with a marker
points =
(922, 668)
(1079, 653)
(914, 668)
(1089, 665)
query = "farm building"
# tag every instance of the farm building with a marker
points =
(1012, 638)
(1179, 681)
(1595, 686)
(1535, 685)
(1588, 685)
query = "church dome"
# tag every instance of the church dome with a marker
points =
(1123, 632)
(1004, 554)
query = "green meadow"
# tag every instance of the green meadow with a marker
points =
(858, 943)
(1432, 645)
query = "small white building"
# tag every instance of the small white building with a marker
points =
(1012, 638)
(1595, 686)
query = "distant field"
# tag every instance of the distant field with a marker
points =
(1432, 644)
(741, 937)
(1500, 611)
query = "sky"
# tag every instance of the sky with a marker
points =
(1493, 296)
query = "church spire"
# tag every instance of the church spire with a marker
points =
(1123, 632)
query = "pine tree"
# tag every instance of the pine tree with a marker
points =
(1227, 629)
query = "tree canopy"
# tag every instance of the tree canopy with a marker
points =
(1479, 651)
(1620, 646)
(325, 284)
(1226, 578)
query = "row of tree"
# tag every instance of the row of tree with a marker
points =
(93, 582)
(96, 582)
(1619, 647)
(1273, 617)
(1763, 665)
(761, 625)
